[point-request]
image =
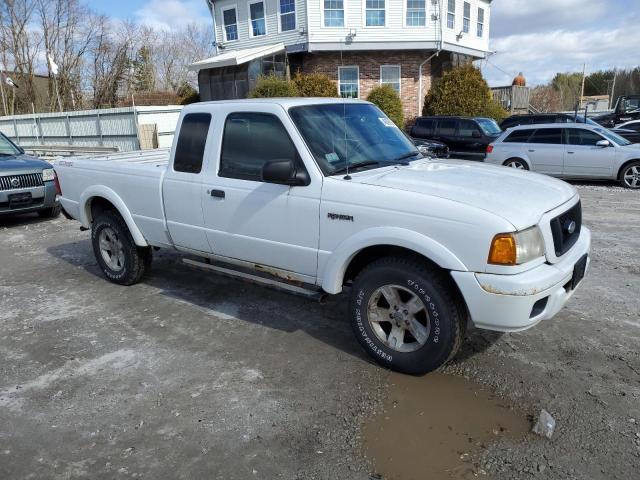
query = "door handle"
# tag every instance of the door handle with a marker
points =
(532, 151)
(217, 193)
(570, 153)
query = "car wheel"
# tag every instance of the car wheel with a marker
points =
(51, 212)
(630, 176)
(121, 260)
(516, 163)
(406, 316)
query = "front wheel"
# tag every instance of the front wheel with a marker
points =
(516, 163)
(630, 176)
(407, 316)
(121, 260)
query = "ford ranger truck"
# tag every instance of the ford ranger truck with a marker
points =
(325, 196)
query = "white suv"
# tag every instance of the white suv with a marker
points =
(570, 151)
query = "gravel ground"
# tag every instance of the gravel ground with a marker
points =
(189, 375)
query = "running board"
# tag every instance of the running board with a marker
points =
(311, 293)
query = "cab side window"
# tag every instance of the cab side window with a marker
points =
(447, 127)
(191, 143)
(249, 141)
(467, 128)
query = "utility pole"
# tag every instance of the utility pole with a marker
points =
(584, 74)
(613, 88)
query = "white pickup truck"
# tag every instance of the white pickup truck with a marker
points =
(319, 195)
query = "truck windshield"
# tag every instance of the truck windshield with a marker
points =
(353, 135)
(7, 148)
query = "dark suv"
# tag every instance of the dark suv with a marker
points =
(535, 119)
(467, 138)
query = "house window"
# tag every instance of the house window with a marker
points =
(466, 17)
(416, 13)
(480, 22)
(348, 82)
(287, 15)
(451, 14)
(333, 13)
(229, 17)
(374, 15)
(258, 25)
(390, 75)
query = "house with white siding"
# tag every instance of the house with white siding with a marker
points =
(358, 43)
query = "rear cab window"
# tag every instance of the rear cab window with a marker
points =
(192, 141)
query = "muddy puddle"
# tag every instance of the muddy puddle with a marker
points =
(435, 427)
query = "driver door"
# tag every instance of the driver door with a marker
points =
(252, 220)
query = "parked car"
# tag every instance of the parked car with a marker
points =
(27, 184)
(627, 109)
(569, 151)
(538, 118)
(310, 195)
(629, 130)
(431, 148)
(467, 138)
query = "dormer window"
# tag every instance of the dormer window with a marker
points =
(416, 13)
(333, 13)
(258, 25)
(375, 13)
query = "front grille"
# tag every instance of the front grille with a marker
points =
(564, 237)
(27, 180)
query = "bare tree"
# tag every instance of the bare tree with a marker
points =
(546, 99)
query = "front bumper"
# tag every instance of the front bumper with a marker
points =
(506, 302)
(41, 197)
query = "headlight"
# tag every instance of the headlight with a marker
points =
(48, 174)
(516, 248)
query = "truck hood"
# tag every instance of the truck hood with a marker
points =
(21, 162)
(520, 197)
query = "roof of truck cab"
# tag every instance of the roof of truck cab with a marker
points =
(284, 101)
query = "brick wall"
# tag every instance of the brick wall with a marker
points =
(369, 64)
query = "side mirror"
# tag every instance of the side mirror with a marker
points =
(284, 172)
(476, 134)
(603, 143)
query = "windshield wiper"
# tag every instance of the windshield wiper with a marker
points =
(354, 166)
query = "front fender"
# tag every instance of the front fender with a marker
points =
(108, 194)
(336, 265)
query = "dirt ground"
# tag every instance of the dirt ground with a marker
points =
(190, 375)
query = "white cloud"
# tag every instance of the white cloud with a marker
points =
(172, 14)
(542, 55)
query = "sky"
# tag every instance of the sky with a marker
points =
(536, 37)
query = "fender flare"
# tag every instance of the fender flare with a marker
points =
(340, 258)
(108, 194)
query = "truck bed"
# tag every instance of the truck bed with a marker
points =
(133, 177)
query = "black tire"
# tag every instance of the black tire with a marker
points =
(51, 212)
(137, 260)
(444, 314)
(512, 162)
(633, 170)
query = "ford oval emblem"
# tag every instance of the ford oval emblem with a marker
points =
(15, 182)
(570, 227)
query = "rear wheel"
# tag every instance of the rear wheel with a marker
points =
(121, 260)
(516, 163)
(407, 316)
(630, 176)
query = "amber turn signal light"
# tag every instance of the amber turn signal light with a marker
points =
(503, 250)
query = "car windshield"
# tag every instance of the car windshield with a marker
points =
(489, 126)
(614, 137)
(7, 148)
(351, 135)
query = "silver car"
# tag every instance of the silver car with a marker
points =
(577, 150)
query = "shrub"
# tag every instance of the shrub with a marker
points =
(315, 85)
(187, 94)
(271, 86)
(496, 111)
(388, 100)
(461, 91)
